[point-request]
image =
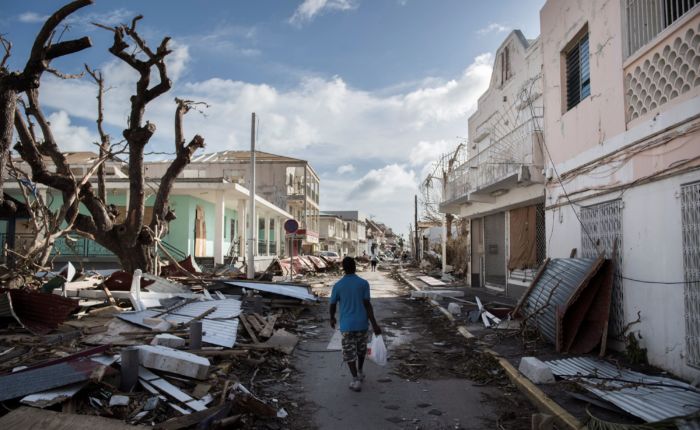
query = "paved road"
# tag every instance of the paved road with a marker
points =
(423, 404)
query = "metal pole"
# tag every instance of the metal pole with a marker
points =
(415, 219)
(196, 335)
(250, 257)
(129, 369)
(444, 244)
(291, 258)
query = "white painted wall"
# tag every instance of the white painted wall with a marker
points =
(653, 251)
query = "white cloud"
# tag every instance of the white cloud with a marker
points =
(70, 137)
(229, 40)
(32, 17)
(386, 192)
(425, 152)
(493, 28)
(177, 61)
(110, 18)
(323, 120)
(310, 8)
(345, 168)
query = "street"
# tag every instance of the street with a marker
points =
(418, 388)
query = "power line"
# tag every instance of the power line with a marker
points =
(583, 226)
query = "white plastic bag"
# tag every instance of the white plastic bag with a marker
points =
(376, 350)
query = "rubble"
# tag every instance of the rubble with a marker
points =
(173, 361)
(57, 365)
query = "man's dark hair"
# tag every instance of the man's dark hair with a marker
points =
(349, 265)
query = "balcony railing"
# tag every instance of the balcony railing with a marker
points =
(262, 247)
(645, 19)
(515, 148)
(73, 246)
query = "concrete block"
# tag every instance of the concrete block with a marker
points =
(173, 361)
(536, 371)
(454, 309)
(169, 340)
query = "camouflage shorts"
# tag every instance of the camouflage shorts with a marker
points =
(354, 345)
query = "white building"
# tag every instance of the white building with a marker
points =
(622, 126)
(498, 186)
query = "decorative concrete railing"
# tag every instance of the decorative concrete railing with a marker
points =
(665, 69)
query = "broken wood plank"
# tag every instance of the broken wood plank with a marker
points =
(109, 295)
(192, 419)
(269, 327)
(248, 329)
(254, 322)
(219, 353)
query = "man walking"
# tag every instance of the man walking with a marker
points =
(352, 293)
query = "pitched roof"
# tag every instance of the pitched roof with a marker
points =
(242, 156)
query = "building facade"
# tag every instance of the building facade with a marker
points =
(289, 183)
(209, 210)
(499, 186)
(331, 232)
(354, 241)
(622, 128)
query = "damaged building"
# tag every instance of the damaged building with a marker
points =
(499, 185)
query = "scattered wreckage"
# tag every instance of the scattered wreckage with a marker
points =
(567, 305)
(138, 349)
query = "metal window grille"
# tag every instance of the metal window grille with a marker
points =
(601, 226)
(541, 235)
(578, 76)
(690, 208)
(645, 19)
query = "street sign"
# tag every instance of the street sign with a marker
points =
(291, 226)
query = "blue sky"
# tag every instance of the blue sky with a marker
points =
(369, 91)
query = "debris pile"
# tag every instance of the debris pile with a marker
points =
(138, 349)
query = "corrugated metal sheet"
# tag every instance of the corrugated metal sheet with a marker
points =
(225, 308)
(45, 378)
(554, 288)
(289, 290)
(220, 327)
(39, 312)
(620, 387)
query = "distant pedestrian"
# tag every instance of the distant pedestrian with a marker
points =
(374, 260)
(351, 294)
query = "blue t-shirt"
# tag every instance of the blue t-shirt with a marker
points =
(351, 292)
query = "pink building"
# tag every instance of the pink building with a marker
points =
(622, 160)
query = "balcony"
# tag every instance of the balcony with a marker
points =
(515, 158)
(664, 64)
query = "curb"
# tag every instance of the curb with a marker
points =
(530, 390)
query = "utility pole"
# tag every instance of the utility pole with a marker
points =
(443, 218)
(250, 257)
(415, 219)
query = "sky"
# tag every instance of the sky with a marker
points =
(370, 92)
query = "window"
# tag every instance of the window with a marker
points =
(578, 76)
(505, 65)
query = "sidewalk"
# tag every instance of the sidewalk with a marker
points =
(476, 330)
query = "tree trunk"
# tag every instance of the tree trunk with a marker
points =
(131, 257)
(8, 103)
(137, 257)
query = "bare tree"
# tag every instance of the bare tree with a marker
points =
(130, 240)
(13, 83)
